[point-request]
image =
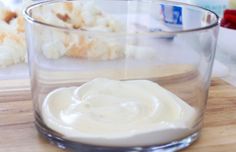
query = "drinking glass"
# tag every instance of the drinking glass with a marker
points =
(166, 44)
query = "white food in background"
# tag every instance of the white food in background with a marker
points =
(105, 50)
(54, 50)
(110, 112)
(86, 16)
(90, 13)
(12, 40)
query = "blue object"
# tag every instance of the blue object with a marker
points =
(172, 14)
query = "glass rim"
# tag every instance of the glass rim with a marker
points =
(30, 19)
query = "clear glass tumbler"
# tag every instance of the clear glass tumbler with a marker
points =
(115, 75)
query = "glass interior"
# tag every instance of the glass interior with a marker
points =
(140, 40)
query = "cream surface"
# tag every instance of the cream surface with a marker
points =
(118, 113)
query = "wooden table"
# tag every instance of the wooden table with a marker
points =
(17, 132)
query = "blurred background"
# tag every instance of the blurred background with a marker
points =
(225, 63)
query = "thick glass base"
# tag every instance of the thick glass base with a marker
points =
(75, 147)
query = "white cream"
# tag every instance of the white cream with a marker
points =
(118, 113)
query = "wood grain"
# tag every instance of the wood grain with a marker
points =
(14, 90)
(17, 132)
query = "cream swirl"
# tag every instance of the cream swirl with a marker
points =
(105, 109)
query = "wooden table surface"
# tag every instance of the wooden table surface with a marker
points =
(18, 134)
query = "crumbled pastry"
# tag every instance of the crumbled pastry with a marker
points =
(57, 49)
(12, 50)
(84, 16)
(79, 49)
(54, 44)
(12, 40)
(105, 50)
(50, 16)
(8, 16)
(79, 15)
